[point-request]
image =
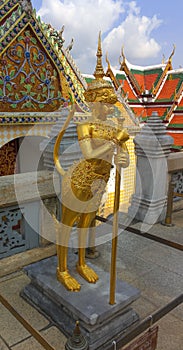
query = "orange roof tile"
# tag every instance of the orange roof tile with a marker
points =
(150, 80)
(128, 89)
(178, 138)
(160, 110)
(140, 79)
(177, 119)
(181, 102)
(139, 111)
(168, 89)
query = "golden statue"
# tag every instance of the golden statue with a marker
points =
(84, 183)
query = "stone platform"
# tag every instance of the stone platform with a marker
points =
(100, 322)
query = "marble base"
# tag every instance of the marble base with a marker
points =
(100, 322)
(148, 211)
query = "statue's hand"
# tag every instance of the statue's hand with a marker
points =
(122, 159)
(121, 136)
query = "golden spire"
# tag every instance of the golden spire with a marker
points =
(99, 71)
(99, 87)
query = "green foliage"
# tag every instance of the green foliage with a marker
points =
(41, 105)
(45, 89)
(12, 73)
(19, 53)
(27, 32)
(34, 41)
(28, 87)
(42, 76)
(9, 87)
(71, 98)
(35, 57)
(33, 80)
(51, 94)
(22, 80)
(13, 105)
(33, 94)
(20, 38)
(24, 93)
(28, 104)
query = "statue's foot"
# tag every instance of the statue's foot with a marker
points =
(68, 281)
(87, 273)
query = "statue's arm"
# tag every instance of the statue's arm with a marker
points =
(87, 146)
(122, 157)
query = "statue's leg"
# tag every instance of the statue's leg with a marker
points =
(68, 219)
(85, 271)
(91, 251)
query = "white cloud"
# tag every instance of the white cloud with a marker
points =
(134, 33)
(121, 24)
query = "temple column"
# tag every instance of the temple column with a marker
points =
(152, 146)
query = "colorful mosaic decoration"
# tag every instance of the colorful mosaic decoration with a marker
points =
(8, 155)
(37, 74)
(28, 79)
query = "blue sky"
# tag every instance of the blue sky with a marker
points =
(146, 29)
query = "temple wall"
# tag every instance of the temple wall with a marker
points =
(11, 132)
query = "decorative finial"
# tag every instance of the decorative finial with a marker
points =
(99, 71)
(170, 58)
(77, 340)
(122, 52)
(123, 56)
(163, 59)
(107, 61)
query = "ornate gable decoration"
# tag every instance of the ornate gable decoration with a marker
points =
(36, 73)
(28, 80)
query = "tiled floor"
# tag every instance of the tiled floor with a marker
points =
(157, 270)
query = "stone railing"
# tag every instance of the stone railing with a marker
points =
(152, 148)
(22, 200)
(175, 190)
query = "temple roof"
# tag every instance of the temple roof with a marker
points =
(37, 73)
(152, 88)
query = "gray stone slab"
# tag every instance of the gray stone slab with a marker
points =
(3, 345)
(53, 335)
(11, 330)
(10, 290)
(99, 321)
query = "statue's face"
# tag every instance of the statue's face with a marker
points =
(102, 101)
(101, 94)
(106, 96)
(101, 110)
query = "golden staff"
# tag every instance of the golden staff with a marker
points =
(115, 235)
(115, 230)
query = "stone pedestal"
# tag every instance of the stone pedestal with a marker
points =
(100, 322)
(152, 147)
